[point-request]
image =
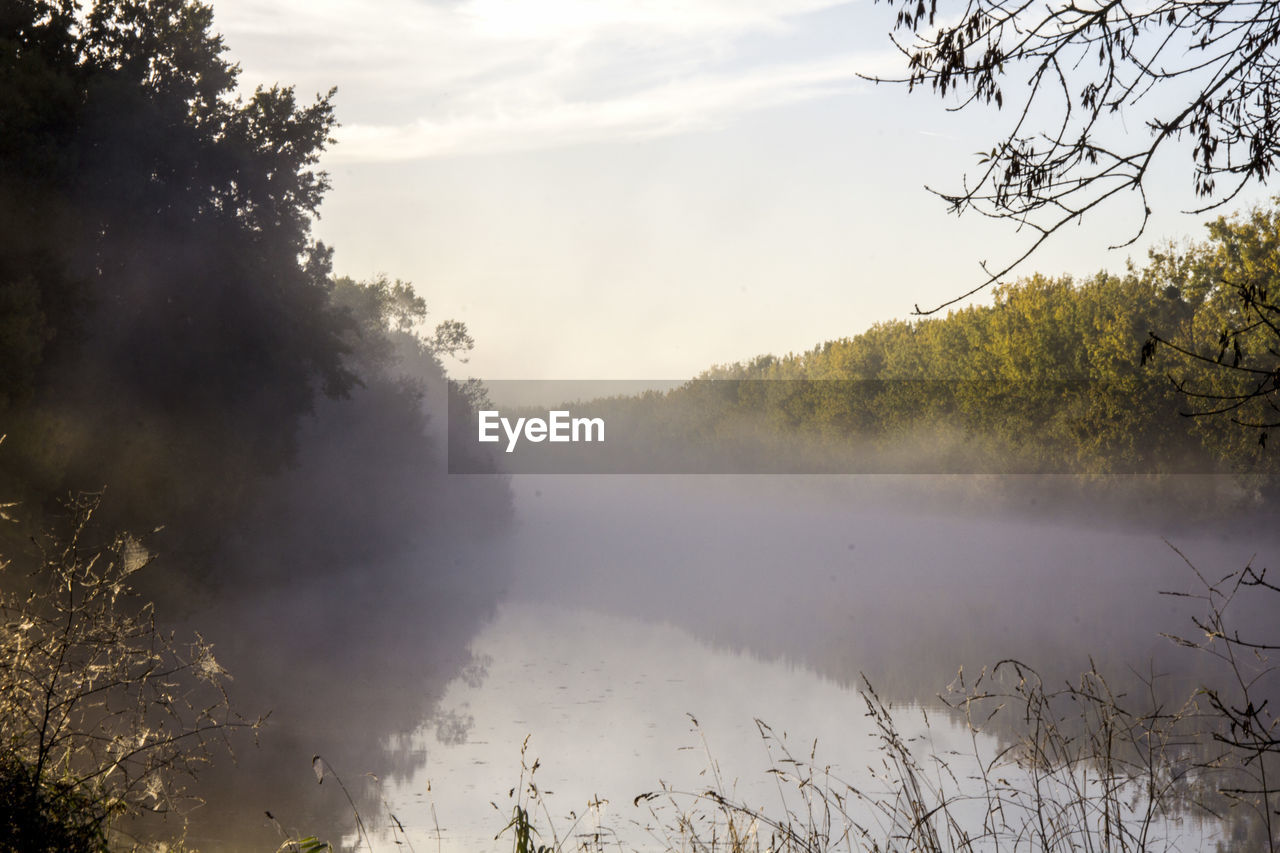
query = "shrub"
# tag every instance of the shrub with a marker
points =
(102, 713)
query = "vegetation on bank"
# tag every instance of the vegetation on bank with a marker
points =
(172, 332)
(1102, 372)
(170, 326)
(1168, 368)
(103, 714)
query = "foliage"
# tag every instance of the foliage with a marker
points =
(1200, 76)
(102, 714)
(48, 817)
(529, 800)
(383, 314)
(1057, 375)
(1086, 770)
(523, 833)
(1080, 79)
(367, 521)
(169, 326)
(155, 257)
(1226, 292)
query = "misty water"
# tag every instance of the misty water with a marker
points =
(609, 704)
(622, 707)
(641, 604)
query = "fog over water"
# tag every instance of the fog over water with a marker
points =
(622, 707)
(867, 574)
(781, 590)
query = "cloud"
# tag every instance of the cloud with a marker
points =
(589, 18)
(421, 80)
(682, 106)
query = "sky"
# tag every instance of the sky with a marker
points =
(640, 189)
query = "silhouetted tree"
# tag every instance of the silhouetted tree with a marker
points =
(157, 273)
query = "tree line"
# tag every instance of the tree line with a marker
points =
(1153, 370)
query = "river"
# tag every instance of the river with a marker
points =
(642, 606)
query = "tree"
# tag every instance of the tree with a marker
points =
(157, 273)
(1183, 69)
(1079, 78)
(1226, 289)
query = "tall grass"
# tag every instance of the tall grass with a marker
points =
(1105, 779)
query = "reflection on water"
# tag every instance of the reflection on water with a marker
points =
(606, 701)
(609, 704)
(840, 582)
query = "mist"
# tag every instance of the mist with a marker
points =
(349, 600)
(872, 574)
(296, 450)
(904, 580)
(352, 641)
